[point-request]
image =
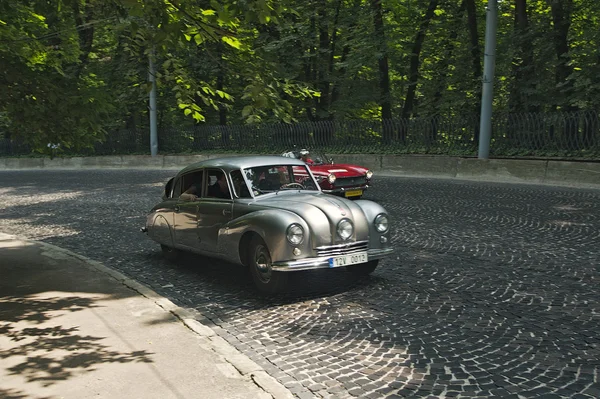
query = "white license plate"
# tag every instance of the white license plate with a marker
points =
(347, 260)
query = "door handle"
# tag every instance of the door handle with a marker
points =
(226, 212)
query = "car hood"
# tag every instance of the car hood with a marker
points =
(315, 208)
(338, 169)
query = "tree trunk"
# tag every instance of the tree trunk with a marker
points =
(474, 35)
(448, 45)
(523, 65)
(384, 73)
(561, 18)
(322, 65)
(475, 57)
(310, 68)
(413, 75)
(335, 89)
(85, 32)
(221, 84)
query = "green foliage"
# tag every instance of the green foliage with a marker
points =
(73, 70)
(45, 97)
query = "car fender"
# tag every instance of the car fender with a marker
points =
(270, 225)
(159, 229)
(371, 209)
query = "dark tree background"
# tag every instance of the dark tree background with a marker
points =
(73, 71)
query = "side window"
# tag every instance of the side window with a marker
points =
(216, 184)
(176, 188)
(239, 185)
(190, 183)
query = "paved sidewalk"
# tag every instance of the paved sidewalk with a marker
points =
(72, 328)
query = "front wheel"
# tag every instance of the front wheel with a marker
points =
(363, 269)
(261, 269)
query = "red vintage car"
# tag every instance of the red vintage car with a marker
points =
(344, 180)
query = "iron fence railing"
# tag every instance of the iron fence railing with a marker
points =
(570, 135)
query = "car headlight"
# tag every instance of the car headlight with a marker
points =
(345, 229)
(381, 223)
(295, 234)
(331, 178)
(369, 174)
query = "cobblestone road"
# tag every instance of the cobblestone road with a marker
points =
(493, 290)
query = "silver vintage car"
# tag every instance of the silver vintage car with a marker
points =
(267, 213)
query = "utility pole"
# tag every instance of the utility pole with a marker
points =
(489, 65)
(152, 107)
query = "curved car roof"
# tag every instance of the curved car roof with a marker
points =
(232, 163)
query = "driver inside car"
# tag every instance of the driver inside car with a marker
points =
(305, 156)
(271, 181)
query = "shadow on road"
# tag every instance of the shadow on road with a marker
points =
(40, 340)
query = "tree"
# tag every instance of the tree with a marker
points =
(384, 75)
(413, 74)
(45, 98)
(523, 86)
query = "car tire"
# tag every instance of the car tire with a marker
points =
(171, 254)
(364, 269)
(259, 261)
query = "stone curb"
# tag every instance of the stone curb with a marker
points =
(243, 364)
(536, 171)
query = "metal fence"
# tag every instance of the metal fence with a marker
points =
(568, 135)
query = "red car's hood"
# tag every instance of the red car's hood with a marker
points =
(338, 169)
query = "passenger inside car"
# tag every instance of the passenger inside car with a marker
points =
(193, 182)
(219, 189)
(239, 185)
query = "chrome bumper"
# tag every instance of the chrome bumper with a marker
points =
(342, 190)
(322, 262)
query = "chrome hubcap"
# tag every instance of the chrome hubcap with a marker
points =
(263, 264)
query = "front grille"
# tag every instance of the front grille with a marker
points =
(342, 249)
(350, 181)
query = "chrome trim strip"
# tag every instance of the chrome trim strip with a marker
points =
(322, 262)
(342, 249)
(350, 181)
(342, 246)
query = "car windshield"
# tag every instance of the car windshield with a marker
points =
(272, 178)
(313, 157)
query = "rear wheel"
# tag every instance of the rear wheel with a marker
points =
(171, 254)
(261, 268)
(364, 269)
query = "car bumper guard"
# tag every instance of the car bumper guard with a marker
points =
(322, 262)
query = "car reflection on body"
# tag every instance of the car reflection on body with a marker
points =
(345, 180)
(274, 220)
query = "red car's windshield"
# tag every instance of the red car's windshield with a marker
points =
(312, 157)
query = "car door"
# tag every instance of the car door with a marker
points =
(213, 213)
(184, 215)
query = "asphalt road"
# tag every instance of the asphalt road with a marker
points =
(493, 289)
